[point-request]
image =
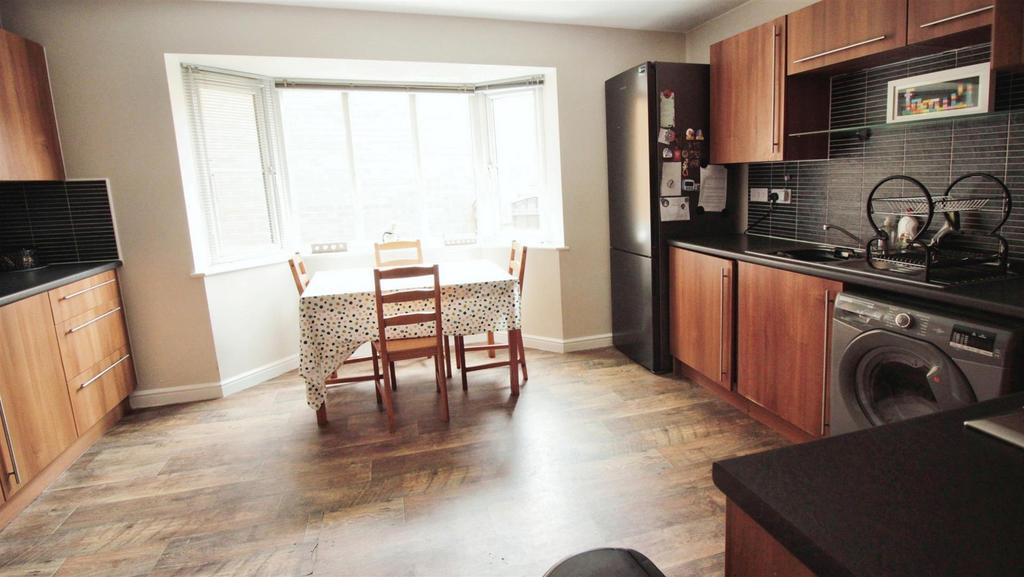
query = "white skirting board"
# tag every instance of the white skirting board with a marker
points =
(147, 398)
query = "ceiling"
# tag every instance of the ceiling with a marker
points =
(664, 15)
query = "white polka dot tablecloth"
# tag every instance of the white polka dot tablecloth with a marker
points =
(337, 313)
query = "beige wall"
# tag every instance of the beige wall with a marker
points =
(110, 91)
(741, 18)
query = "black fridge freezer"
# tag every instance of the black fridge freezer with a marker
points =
(657, 131)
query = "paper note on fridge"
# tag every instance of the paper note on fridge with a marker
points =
(675, 208)
(671, 177)
(712, 187)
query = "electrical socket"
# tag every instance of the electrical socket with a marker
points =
(330, 247)
(785, 195)
(758, 195)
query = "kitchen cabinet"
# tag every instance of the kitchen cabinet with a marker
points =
(36, 408)
(701, 313)
(756, 108)
(832, 32)
(931, 19)
(783, 332)
(750, 550)
(29, 143)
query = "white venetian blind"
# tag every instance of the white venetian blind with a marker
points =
(234, 162)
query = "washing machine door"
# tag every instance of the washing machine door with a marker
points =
(887, 377)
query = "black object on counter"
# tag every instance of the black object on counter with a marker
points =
(923, 497)
(18, 285)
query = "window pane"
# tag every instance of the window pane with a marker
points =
(446, 161)
(237, 203)
(517, 160)
(385, 163)
(319, 172)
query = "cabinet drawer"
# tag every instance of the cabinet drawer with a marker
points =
(87, 339)
(80, 297)
(100, 388)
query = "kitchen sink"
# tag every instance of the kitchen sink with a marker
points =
(817, 254)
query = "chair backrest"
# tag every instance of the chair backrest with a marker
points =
(517, 263)
(427, 315)
(380, 250)
(299, 273)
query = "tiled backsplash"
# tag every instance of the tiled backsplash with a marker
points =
(934, 152)
(65, 221)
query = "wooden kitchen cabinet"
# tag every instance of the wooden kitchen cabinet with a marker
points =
(783, 339)
(931, 19)
(36, 408)
(701, 313)
(756, 109)
(831, 32)
(29, 144)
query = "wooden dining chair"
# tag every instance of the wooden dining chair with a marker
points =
(301, 277)
(396, 349)
(381, 252)
(517, 268)
(384, 253)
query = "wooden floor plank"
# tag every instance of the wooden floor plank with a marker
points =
(595, 452)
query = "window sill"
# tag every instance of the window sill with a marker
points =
(259, 262)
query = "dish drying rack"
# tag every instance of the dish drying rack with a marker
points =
(927, 257)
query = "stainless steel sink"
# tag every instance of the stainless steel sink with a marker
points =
(823, 254)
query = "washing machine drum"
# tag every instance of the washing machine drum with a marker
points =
(893, 377)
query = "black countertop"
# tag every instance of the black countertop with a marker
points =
(1002, 297)
(924, 497)
(15, 286)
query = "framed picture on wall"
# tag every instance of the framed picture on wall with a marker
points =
(954, 92)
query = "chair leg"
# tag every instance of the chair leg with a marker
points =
(437, 367)
(442, 387)
(448, 356)
(522, 358)
(394, 379)
(461, 344)
(490, 341)
(389, 406)
(376, 374)
(458, 358)
(321, 415)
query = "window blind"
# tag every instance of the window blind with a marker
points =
(230, 120)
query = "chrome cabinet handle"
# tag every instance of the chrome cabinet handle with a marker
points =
(824, 359)
(103, 372)
(957, 16)
(775, 88)
(85, 290)
(91, 321)
(10, 443)
(721, 324)
(840, 49)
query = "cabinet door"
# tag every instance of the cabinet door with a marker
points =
(29, 147)
(36, 406)
(700, 305)
(834, 31)
(747, 94)
(784, 327)
(930, 19)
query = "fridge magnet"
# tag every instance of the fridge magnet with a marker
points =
(668, 153)
(675, 208)
(667, 109)
(671, 175)
(666, 135)
(691, 134)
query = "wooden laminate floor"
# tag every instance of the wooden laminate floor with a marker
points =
(595, 452)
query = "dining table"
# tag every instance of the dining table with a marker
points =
(337, 315)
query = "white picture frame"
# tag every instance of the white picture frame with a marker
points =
(935, 83)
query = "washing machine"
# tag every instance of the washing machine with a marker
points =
(893, 361)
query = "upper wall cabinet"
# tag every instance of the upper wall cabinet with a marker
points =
(834, 31)
(756, 109)
(929, 20)
(29, 146)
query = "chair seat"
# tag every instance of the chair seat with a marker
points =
(410, 344)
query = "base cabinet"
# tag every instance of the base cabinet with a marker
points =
(751, 552)
(783, 331)
(700, 312)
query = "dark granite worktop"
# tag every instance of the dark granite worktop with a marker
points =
(15, 286)
(924, 497)
(1003, 297)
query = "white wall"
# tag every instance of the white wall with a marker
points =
(743, 17)
(110, 92)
